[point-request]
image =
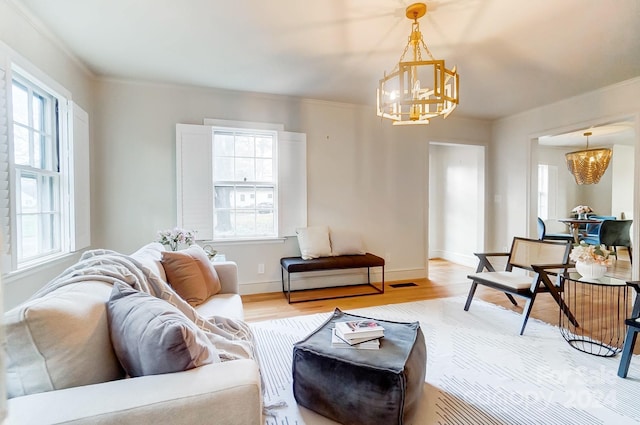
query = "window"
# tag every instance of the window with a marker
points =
(244, 184)
(543, 191)
(240, 181)
(44, 211)
(547, 191)
(38, 215)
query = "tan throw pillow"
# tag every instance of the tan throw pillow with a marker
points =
(191, 274)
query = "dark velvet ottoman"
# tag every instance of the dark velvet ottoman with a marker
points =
(361, 387)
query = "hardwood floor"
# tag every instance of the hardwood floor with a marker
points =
(446, 280)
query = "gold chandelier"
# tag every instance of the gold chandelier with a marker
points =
(417, 90)
(589, 165)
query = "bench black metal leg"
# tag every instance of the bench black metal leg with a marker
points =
(289, 287)
(282, 274)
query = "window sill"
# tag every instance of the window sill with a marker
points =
(226, 242)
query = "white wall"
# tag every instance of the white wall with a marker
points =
(514, 214)
(456, 202)
(19, 34)
(363, 173)
(622, 186)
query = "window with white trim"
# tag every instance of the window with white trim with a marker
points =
(543, 191)
(44, 146)
(547, 191)
(240, 181)
(37, 184)
(245, 184)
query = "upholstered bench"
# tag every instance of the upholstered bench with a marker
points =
(300, 265)
(361, 387)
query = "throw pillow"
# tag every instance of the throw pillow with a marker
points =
(191, 274)
(151, 336)
(314, 242)
(346, 242)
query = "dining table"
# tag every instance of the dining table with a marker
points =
(575, 223)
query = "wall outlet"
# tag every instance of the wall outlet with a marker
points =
(261, 268)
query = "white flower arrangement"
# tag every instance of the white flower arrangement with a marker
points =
(174, 237)
(598, 254)
(582, 209)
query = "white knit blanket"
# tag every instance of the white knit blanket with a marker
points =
(233, 339)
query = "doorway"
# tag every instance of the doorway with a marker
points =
(613, 195)
(456, 202)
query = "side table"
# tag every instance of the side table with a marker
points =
(600, 306)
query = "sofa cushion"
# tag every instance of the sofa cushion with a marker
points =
(225, 305)
(191, 274)
(151, 336)
(60, 340)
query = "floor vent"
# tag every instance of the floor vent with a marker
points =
(402, 285)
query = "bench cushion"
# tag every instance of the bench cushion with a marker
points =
(297, 264)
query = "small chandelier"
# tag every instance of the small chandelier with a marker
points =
(417, 90)
(589, 165)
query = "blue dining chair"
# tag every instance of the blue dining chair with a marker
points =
(594, 228)
(612, 233)
(543, 235)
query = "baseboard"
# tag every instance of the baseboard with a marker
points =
(455, 257)
(331, 278)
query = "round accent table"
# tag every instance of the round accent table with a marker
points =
(600, 307)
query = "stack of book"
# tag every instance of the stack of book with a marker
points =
(358, 334)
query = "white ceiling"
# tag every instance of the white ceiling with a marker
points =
(512, 55)
(617, 133)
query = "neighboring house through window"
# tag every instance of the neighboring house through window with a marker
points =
(240, 181)
(245, 182)
(44, 209)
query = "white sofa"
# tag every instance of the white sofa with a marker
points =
(65, 335)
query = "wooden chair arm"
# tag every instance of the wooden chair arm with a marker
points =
(635, 313)
(635, 284)
(484, 262)
(491, 254)
(548, 267)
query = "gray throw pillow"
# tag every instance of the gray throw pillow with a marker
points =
(151, 336)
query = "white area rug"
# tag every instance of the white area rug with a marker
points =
(479, 370)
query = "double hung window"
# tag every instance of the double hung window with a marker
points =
(240, 181)
(44, 158)
(245, 189)
(37, 183)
